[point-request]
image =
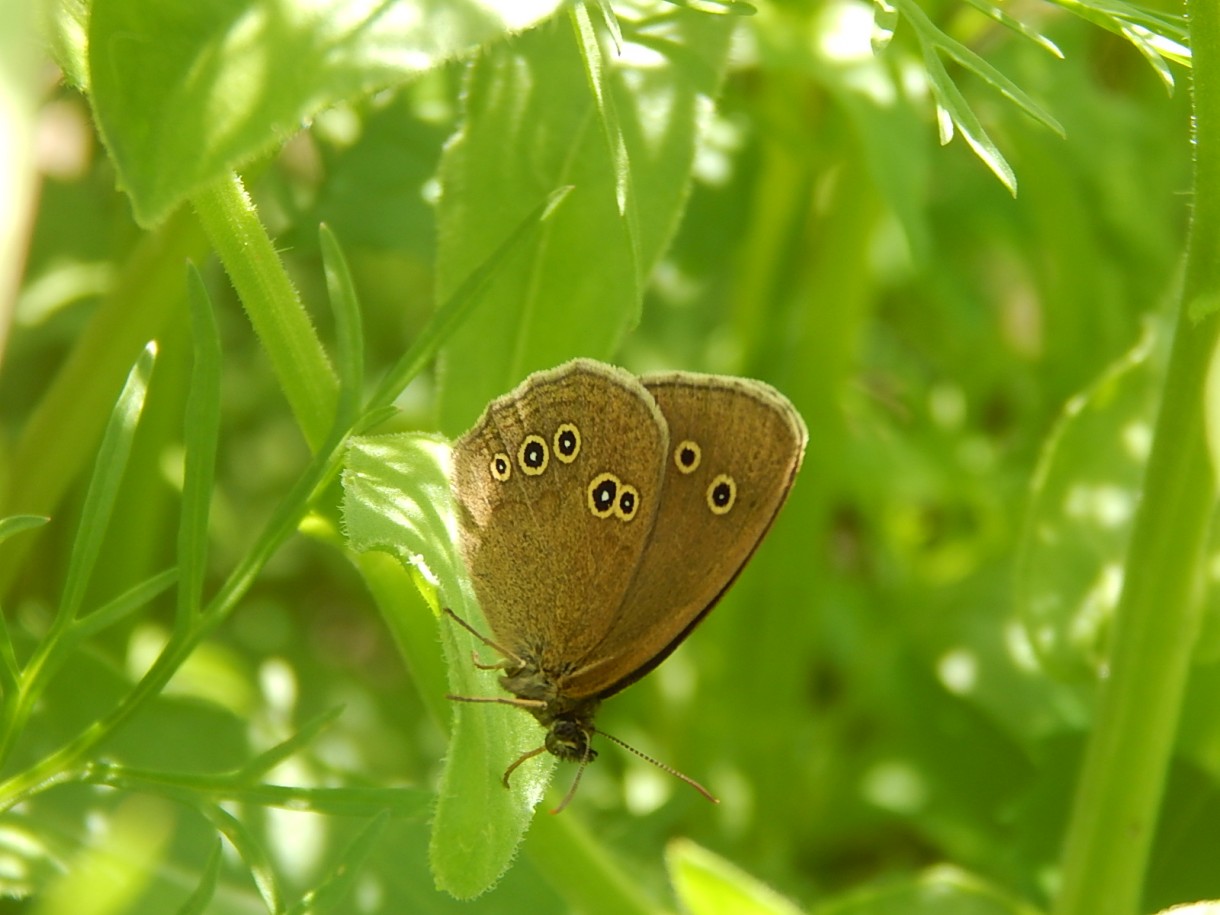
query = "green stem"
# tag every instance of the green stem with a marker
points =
(1123, 779)
(272, 304)
(65, 763)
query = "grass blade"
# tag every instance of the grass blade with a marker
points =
(349, 331)
(15, 524)
(271, 758)
(111, 461)
(200, 434)
(251, 852)
(337, 886)
(451, 314)
(197, 902)
(120, 608)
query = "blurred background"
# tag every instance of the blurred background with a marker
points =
(901, 681)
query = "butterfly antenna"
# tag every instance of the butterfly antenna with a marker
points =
(575, 782)
(660, 765)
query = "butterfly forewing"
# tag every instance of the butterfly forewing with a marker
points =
(558, 487)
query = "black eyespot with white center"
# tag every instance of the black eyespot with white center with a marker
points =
(603, 494)
(501, 466)
(687, 456)
(628, 502)
(721, 494)
(533, 455)
(567, 442)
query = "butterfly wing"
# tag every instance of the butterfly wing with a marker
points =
(557, 488)
(735, 447)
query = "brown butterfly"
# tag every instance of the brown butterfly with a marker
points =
(602, 516)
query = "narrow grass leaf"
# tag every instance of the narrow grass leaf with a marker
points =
(453, 312)
(121, 607)
(200, 435)
(251, 853)
(108, 470)
(197, 903)
(606, 10)
(349, 331)
(956, 110)
(336, 887)
(1157, 36)
(607, 116)
(15, 524)
(1006, 86)
(885, 21)
(1021, 28)
(272, 757)
(10, 670)
(1138, 37)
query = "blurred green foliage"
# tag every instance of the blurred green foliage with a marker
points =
(893, 701)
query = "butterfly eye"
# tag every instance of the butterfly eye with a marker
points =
(687, 456)
(721, 494)
(501, 466)
(567, 442)
(533, 455)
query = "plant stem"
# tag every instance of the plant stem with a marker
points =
(64, 764)
(1123, 778)
(271, 303)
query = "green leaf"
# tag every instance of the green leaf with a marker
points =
(707, 884)
(576, 292)
(942, 890)
(185, 93)
(1083, 500)
(396, 499)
